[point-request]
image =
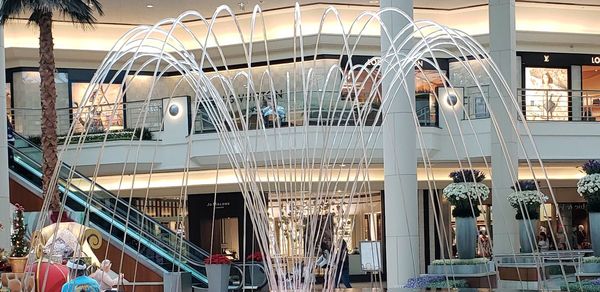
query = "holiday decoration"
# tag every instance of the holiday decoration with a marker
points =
(20, 246)
(256, 257)
(217, 259)
(4, 265)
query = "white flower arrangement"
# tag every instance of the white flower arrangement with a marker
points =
(466, 191)
(521, 199)
(589, 185)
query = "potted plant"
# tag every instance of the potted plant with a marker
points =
(20, 246)
(255, 257)
(527, 199)
(589, 187)
(460, 266)
(434, 282)
(590, 265)
(465, 194)
(217, 270)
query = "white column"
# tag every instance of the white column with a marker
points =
(400, 167)
(503, 51)
(5, 214)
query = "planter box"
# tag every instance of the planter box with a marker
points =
(218, 277)
(461, 269)
(590, 268)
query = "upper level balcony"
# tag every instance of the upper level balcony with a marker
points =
(555, 118)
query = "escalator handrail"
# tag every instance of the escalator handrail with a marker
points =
(111, 195)
(260, 266)
(176, 261)
(137, 229)
(101, 206)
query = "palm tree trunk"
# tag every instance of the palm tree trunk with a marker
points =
(48, 100)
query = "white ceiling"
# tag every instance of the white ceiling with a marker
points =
(136, 12)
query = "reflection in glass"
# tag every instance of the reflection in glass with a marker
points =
(99, 112)
(546, 97)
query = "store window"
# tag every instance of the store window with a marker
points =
(103, 110)
(474, 102)
(26, 104)
(590, 93)
(546, 94)
(426, 83)
(288, 219)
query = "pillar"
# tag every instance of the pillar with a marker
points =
(504, 167)
(5, 215)
(400, 166)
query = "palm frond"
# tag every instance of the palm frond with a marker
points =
(78, 11)
(11, 8)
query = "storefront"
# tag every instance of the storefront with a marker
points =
(220, 224)
(560, 87)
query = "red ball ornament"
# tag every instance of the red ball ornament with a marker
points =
(54, 280)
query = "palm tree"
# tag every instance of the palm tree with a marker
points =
(79, 12)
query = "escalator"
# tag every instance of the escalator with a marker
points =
(127, 227)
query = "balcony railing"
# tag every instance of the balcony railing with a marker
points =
(108, 117)
(345, 113)
(560, 105)
(98, 118)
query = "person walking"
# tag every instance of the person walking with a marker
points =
(343, 266)
(543, 242)
(10, 135)
(580, 237)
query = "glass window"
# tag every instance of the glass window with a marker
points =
(27, 105)
(99, 112)
(474, 102)
(590, 77)
(426, 83)
(546, 95)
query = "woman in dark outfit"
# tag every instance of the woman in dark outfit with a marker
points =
(11, 141)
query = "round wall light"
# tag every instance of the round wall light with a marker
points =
(173, 110)
(452, 99)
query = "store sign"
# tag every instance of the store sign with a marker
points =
(532, 59)
(219, 205)
(226, 205)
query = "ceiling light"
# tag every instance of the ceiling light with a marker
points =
(374, 1)
(149, 6)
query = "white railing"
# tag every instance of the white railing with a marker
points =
(560, 105)
(98, 118)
